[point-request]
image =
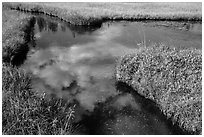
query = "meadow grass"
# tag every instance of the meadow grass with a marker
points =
(27, 112)
(171, 78)
(95, 13)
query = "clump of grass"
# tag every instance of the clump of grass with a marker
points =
(172, 78)
(95, 13)
(26, 112)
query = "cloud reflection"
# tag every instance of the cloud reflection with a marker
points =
(84, 74)
(90, 65)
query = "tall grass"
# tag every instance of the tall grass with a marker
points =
(169, 77)
(26, 112)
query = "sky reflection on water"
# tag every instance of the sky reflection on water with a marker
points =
(78, 64)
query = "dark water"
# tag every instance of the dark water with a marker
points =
(78, 64)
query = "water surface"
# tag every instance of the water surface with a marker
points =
(78, 64)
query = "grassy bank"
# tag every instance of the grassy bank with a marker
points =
(26, 112)
(95, 13)
(170, 78)
(16, 29)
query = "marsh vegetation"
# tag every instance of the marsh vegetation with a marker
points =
(111, 77)
(96, 13)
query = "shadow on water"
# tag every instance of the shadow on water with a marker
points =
(151, 107)
(45, 23)
(147, 119)
(23, 49)
(20, 56)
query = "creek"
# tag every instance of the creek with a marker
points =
(77, 63)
